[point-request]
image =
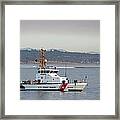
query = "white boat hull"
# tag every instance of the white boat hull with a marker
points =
(53, 87)
(77, 87)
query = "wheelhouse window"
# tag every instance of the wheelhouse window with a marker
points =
(47, 71)
(53, 71)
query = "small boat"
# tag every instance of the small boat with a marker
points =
(47, 79)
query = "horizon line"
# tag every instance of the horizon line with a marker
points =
(60, 49)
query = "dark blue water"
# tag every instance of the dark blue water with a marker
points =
(91, 92)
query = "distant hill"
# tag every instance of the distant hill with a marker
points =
(30, 55)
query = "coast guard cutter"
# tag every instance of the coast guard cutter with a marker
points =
(47, 79)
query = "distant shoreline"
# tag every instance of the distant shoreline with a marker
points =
(68, 64)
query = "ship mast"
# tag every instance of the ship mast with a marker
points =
(42, 60)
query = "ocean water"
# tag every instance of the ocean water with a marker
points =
(91, 92)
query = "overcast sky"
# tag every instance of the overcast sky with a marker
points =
(71, 35)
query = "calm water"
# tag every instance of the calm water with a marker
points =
(91, 92)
